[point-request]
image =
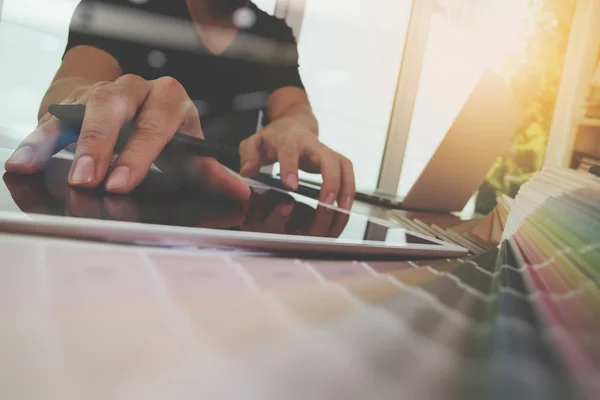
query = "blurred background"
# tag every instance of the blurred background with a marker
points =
(352, 53)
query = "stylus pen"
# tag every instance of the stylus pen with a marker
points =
(73, 115)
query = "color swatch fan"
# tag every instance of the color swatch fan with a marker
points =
(83, 320)
(554, 229)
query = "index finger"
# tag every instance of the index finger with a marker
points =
(36, 149)
(42, 143)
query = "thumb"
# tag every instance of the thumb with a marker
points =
(251, 155)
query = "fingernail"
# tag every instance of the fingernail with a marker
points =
(119, 178)
(23, 155)
(84, 171)
(330, 199)
(347, 202)
(291, 181)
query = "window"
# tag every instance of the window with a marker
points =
(33, 35)
(350, 53)
(267, 6)
(525, 41)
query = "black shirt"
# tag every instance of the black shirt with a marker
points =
(156, 38)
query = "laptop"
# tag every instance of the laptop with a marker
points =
(481, 132)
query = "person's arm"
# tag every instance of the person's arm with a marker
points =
(90, 56)
(292, 102)
(81, 68)
(291, 138)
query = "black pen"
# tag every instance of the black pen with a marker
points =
(73, 115)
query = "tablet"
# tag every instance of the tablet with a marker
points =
(171, 211)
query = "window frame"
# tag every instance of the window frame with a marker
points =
(406, 89)
(578, 69)
(406, 94)
(292, 11)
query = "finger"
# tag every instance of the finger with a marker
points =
(42, 143)
(160, 117)
(175, 158)
(322, 222)
(35, 150)
(191, 122)
(251, 157)
(107, 110)
(330, 170)
(288, 165)
(348, 184)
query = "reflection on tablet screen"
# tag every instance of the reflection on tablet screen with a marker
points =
(165, 200)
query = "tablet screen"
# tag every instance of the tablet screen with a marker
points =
(165, 200)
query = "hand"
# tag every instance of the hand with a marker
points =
(162, 107)
(294, 146)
